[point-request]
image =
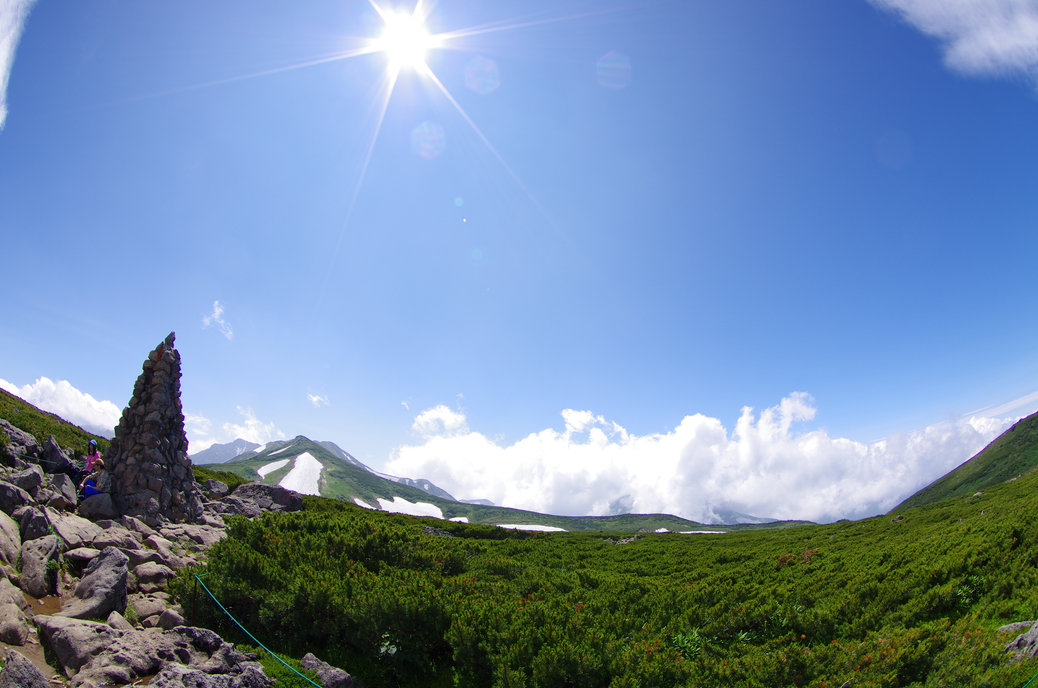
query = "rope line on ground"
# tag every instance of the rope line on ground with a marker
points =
(254, 639)
(40, 459)
(1031, 681)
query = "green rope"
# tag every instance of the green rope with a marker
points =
(249, 634)
(1031, 681)
(40, 459)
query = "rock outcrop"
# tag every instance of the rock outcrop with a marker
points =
(100, 577)
(151, 472)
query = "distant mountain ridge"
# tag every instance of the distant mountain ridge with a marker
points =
(218, 453)
(342, 476)
(1010, 455)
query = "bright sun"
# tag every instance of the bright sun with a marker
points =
(405, 40)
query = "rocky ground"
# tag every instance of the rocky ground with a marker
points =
(83, 597)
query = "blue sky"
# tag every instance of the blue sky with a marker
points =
(633, 212)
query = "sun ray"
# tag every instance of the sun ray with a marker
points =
(390, 82)
(511, 24)
(313, 62)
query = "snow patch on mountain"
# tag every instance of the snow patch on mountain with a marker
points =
(399, 505)
(531, 526)
(271, 467)
(305, 476)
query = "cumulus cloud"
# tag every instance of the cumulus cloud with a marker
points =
(13, 14)
(201, 435)
(979, 37)
(62, 399)
(699, 470)
(215, 319)
(318, 400)
(252, 429)
(439, 420)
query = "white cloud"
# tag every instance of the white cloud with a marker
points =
(762, 467)
(439, 420)
(13, 14)
(318, 400)
(61, 398)
(215, 319)
(979, 37)
(253, 429)
(200, 435)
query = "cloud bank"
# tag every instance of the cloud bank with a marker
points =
(61, 398)
(699, 470)
(978, 37)
(13, 14)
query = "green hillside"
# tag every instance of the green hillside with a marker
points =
(1010, 455)
(911, 601)
(41, 425)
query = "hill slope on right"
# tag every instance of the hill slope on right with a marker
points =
(1010, 455)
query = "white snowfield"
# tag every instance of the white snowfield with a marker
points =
(529, 526)
(399, 505)
(460, 519)
(271, 467)
(361, 503)
(281, 450)
(305, 476)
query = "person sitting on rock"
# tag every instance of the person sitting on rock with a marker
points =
(91, 456)
(97, 482)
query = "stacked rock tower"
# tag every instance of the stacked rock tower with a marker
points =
(151, 472)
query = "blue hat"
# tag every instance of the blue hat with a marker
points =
(93, 443)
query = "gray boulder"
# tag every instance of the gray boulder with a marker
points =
(55, 459)
(234, 505)
(97, 507)
(1025, 646)
(19, 672)
(95, 654)
(119, 622)
(202, 536)
(12, 497)
(164, 548)
(63, 486)
(33, 524)
(10, 540)
(152, 577)
(102, 589)
(79, 557)
(74, 530)
(14, 625)
(149, 607)
(74, 641)
(137, 526)
(327, 675)
(270, 497)
(170, 618)
(178, 676)
(214, 489)
(40, 565)
(117, 536)
(30, 480)
(20, 444)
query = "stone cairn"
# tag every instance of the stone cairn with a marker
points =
(151, 472)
